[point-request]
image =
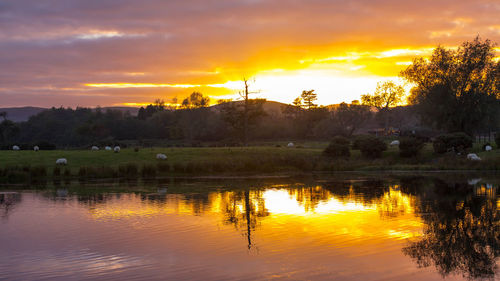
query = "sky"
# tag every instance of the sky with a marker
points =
(129, 52)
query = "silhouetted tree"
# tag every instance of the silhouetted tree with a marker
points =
(386, 95)
(457, 90)
(241, 116)
(347, 118)
(8, 130)
(195, 100)
(308, 98)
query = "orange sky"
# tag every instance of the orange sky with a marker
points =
(89, 53)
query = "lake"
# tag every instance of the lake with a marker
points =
(344, 227)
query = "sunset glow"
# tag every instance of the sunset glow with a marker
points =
(88, 55)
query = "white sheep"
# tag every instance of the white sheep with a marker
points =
(95, 148)
(116, 149)
(473, 181)
(15, 147)
(108, 148)
(36, 148)
(161, 156)
(61, 161)
(488, 148)
(473, 156)
(290, 144)
(394, 143)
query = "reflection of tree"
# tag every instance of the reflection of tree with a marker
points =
(243, 209)
(395, 203)
(310, 197)
(198, 201)
(461, 232)
(8, 200)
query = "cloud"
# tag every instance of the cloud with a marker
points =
(52, 49)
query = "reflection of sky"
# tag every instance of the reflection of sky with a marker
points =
(390, 216)
(302, 233)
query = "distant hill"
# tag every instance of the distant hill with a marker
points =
(270, 107)
(21, 114)
(132, 110)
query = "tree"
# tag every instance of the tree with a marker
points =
(308, 97)
(8, 130)
(246, 110)
(457, 90)
(239, 119)
(195, 100)
(386, 95)
(159, 104)
(347, 118)
(297, 102)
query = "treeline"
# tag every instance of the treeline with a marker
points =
(222, 124)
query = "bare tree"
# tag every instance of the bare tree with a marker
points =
(244, 94)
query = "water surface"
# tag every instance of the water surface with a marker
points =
(349, 228)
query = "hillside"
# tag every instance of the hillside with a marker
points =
(21, 114)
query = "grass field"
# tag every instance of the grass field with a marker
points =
(265, 158)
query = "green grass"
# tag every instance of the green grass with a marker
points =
(265, 158)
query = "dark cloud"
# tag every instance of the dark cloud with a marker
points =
(51, 49)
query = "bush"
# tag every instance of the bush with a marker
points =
(497, 139)
(44, 145)
(410, 146)
(456, 142)
(338, 147)
(357, 141)
(371, 147)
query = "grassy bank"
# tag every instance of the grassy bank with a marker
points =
(219, 161)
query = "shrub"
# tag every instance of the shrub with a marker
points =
(357, 141)
(456, 142)
(338, 147)
(44, 145)
(410, 146)
(497, 139)
(371, 147)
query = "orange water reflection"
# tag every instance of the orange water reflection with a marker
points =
(349, 230)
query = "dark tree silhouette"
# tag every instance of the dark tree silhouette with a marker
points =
(457, 90)
(386, 96)
(461, 232)
(308, 98)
